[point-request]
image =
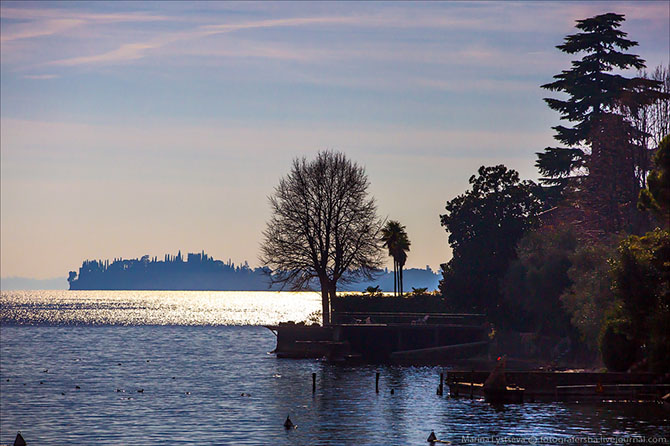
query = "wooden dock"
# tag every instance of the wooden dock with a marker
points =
(566, 386)
(511, 394)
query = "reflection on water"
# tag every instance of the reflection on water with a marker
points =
(156, 307)
(213, 382)
(194, 378)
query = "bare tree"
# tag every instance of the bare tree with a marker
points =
(653, 121)
(324, 226)
(659, 125)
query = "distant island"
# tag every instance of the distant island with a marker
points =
(198, 271)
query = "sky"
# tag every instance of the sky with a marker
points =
(133, 128)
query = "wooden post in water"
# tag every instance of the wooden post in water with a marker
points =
(472, 384)
(377, 382)
(441, 384)
(313, 382)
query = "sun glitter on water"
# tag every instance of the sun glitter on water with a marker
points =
(156, 307)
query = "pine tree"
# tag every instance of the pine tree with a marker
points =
(601, 144)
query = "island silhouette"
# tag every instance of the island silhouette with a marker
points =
(201, 272)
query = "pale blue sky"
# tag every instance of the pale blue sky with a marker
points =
(133, 128)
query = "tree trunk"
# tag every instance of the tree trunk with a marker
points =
(395, 278)
(325, 302)
(332, 290)
(401, 284)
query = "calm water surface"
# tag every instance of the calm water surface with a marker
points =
(203, 364)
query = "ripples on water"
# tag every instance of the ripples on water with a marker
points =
(156, 307)
(194, 377)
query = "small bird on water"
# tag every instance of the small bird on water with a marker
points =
(432, 439)
(288, 424)
(19, 441)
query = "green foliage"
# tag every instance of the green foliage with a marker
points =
(617, 348)
(484, 225)
(373, 291)
(641, 277)
(313, 318)
(536, 279)
(656, 197)
(557, 165)
(425, 303)
(641, 285)
(659, 345)
(589, 297)
(418, 291)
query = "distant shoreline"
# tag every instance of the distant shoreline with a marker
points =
(194, 272)
(201, 272)
(414, 277)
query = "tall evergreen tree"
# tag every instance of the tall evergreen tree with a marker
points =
(600, 102)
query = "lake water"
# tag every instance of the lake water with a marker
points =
(202, 361)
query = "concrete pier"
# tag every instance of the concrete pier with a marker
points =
(384, 342)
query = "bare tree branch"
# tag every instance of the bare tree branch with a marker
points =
(324, 226)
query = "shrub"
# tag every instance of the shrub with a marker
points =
(617, 347)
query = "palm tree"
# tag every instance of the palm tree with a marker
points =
(401, 257)
(390, 235)
(396, 240)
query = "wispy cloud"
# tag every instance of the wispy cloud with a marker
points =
(55, 13)
(138, 50)
(286, 22)
(198, 27)
(41, 22)
(39, 29)
(126, 52)
(41, 76)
